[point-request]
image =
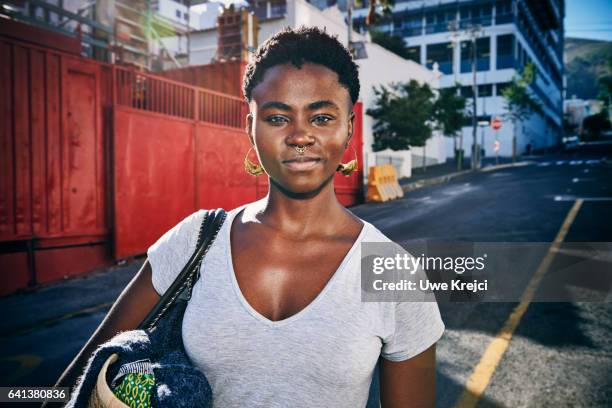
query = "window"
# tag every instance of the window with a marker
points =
(520, 55)
(501, 86)
(178, 13)
(186, 16)
(485, 90)
(483, 54)
(442, 54)
(505, 51)
(467, 91)
(438, 22)
(503, 12)
(414, 54)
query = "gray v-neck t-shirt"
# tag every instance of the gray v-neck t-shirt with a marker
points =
(323, 356)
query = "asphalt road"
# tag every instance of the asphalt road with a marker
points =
(560, 354)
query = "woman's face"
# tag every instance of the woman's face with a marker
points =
(304, 106)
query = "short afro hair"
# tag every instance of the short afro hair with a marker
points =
(300, 46)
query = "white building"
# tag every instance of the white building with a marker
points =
(380, 67)
(208, 13)
(177, 11)
(513, 33)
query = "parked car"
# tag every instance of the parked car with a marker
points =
(571, 142)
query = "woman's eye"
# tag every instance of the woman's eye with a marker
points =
(276, 120)
(322, 119)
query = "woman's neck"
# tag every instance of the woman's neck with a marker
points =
(319, 214)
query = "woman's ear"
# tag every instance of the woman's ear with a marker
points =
(351, 127)
(249, 128)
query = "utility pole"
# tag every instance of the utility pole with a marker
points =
(473, 32)
(455, 40)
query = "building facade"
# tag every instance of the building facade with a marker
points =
(508, 35)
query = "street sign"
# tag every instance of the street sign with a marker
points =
(496, 124)
(496, 146)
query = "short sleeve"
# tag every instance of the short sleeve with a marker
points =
(169, 254)
(417, 326)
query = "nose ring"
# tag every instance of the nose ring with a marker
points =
(300, 149)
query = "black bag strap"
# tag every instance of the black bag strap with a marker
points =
(183, 284)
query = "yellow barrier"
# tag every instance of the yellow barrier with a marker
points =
(383, 184)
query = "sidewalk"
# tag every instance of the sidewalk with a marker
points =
(51, 304)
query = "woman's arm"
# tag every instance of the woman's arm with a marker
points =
(410, 383)
(130, 308)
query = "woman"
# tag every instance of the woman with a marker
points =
(276, 318)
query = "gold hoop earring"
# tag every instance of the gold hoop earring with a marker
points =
(347, 168)
(250, 167)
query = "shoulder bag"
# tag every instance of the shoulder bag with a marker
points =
(156, 345)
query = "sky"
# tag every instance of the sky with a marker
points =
(588, 19)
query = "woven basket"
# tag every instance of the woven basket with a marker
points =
(102, 396)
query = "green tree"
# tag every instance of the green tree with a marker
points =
(520, 104)
(403, 116)
(449, 114)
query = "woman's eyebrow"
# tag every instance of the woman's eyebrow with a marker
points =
(276, 105)
(311, 106)
(322, 104)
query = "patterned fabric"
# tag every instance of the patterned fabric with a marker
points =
(135, 390)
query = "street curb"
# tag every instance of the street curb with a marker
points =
(433, 181)
(507, 165)
(447, 177)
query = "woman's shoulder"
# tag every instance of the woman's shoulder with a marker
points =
(184, 233)
(180, 232)
(372, 233)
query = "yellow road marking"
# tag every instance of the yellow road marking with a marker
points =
(481, 376)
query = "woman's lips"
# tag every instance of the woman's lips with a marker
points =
(301, 164)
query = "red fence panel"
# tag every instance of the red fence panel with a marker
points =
(154, 177)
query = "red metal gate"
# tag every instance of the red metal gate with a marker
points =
(52, 158)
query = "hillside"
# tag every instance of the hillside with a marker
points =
(585, 61)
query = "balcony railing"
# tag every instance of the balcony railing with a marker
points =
(155, 94)
(476, 21)
(436, 28)
(411, 31)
